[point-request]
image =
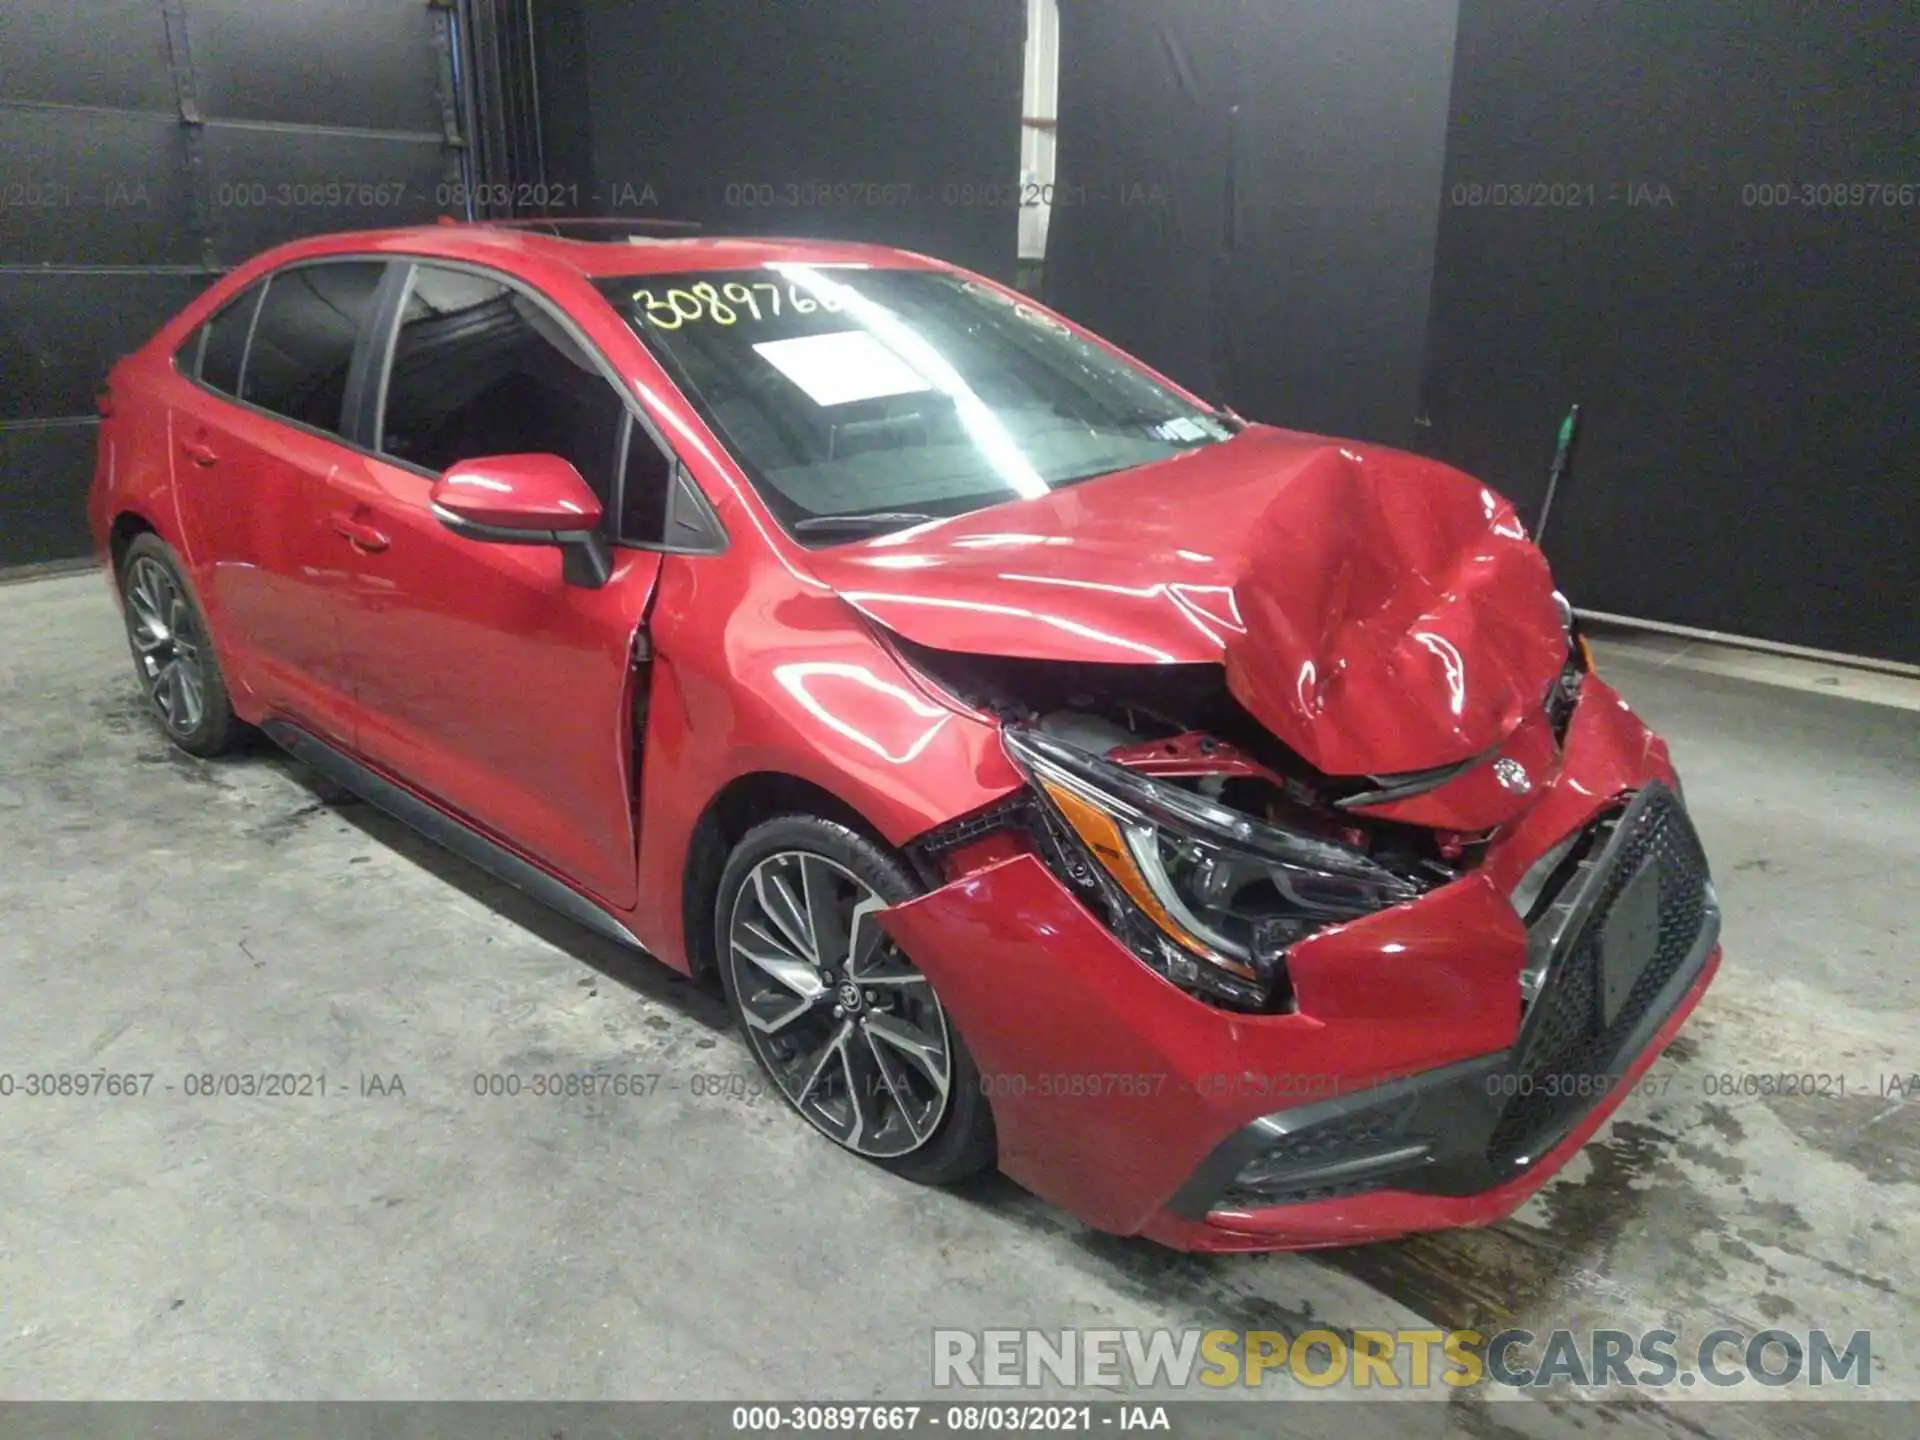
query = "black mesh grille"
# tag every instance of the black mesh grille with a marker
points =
(1337, 1139)
(1243, 1198)
(1567, 1047)
(1353, 1136)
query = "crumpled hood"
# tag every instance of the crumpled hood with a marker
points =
(1378, 612)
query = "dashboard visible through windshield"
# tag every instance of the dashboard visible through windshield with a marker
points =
(860, 400)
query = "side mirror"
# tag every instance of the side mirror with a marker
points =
(527, 500)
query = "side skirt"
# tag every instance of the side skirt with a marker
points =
(446, 831)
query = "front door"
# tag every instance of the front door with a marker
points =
(483, 679)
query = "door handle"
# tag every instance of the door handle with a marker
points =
(199, 451)
(363, 536)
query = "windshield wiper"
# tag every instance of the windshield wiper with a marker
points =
(860, 520)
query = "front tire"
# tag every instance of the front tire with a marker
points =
(849, 1032)
(173, 652)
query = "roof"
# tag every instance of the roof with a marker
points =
(627, 255)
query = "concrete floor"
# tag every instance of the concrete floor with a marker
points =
(166, 916)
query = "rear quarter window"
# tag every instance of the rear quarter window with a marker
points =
(214, 353)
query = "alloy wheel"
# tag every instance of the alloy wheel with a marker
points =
(167, 645)
(851, 1032)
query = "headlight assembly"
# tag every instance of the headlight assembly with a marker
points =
(1579, 651)
(1226, 893)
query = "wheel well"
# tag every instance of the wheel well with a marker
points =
(126, 527)
(742, 804)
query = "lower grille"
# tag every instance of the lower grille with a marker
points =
(1249, 1198)
(1296, 1168)
(1635, 920)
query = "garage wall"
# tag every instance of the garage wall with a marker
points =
(1248, 195)
(147, 145)
(1439, 226)
(1701, 221)
(877, 120)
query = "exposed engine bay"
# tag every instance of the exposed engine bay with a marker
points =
(1180, 724)
(1211, 846)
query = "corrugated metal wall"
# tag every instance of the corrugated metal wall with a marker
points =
(1702, 223)
(895, 122)
(145, 146)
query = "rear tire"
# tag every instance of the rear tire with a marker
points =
(173, 651)
(852, 1036)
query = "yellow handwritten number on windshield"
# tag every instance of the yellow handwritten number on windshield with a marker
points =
(720, 310)
(658, 312)
(724, 305)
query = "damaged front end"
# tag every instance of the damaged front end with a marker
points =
(1328, 884)
(1208, 847)
(1392, 1026)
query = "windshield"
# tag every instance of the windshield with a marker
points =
(859, 400)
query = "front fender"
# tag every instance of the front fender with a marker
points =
(791, 684)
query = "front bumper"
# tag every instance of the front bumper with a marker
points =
(1406, 1092)
(1390, 1212)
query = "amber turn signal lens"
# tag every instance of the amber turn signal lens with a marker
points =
(1102, 836)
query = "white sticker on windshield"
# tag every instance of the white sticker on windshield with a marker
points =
(842, 367)
(1180, 430)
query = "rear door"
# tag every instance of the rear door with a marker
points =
(483, 679)
(255, 444)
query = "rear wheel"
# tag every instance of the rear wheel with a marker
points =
(172, 652)
(849, 1031)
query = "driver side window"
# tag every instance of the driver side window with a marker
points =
(480, 369)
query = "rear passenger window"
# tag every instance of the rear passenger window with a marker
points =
(304, 338)
(223, 342)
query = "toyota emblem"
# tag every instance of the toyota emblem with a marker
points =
(1512, 776)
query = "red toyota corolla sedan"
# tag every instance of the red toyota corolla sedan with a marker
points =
(1219, 828)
